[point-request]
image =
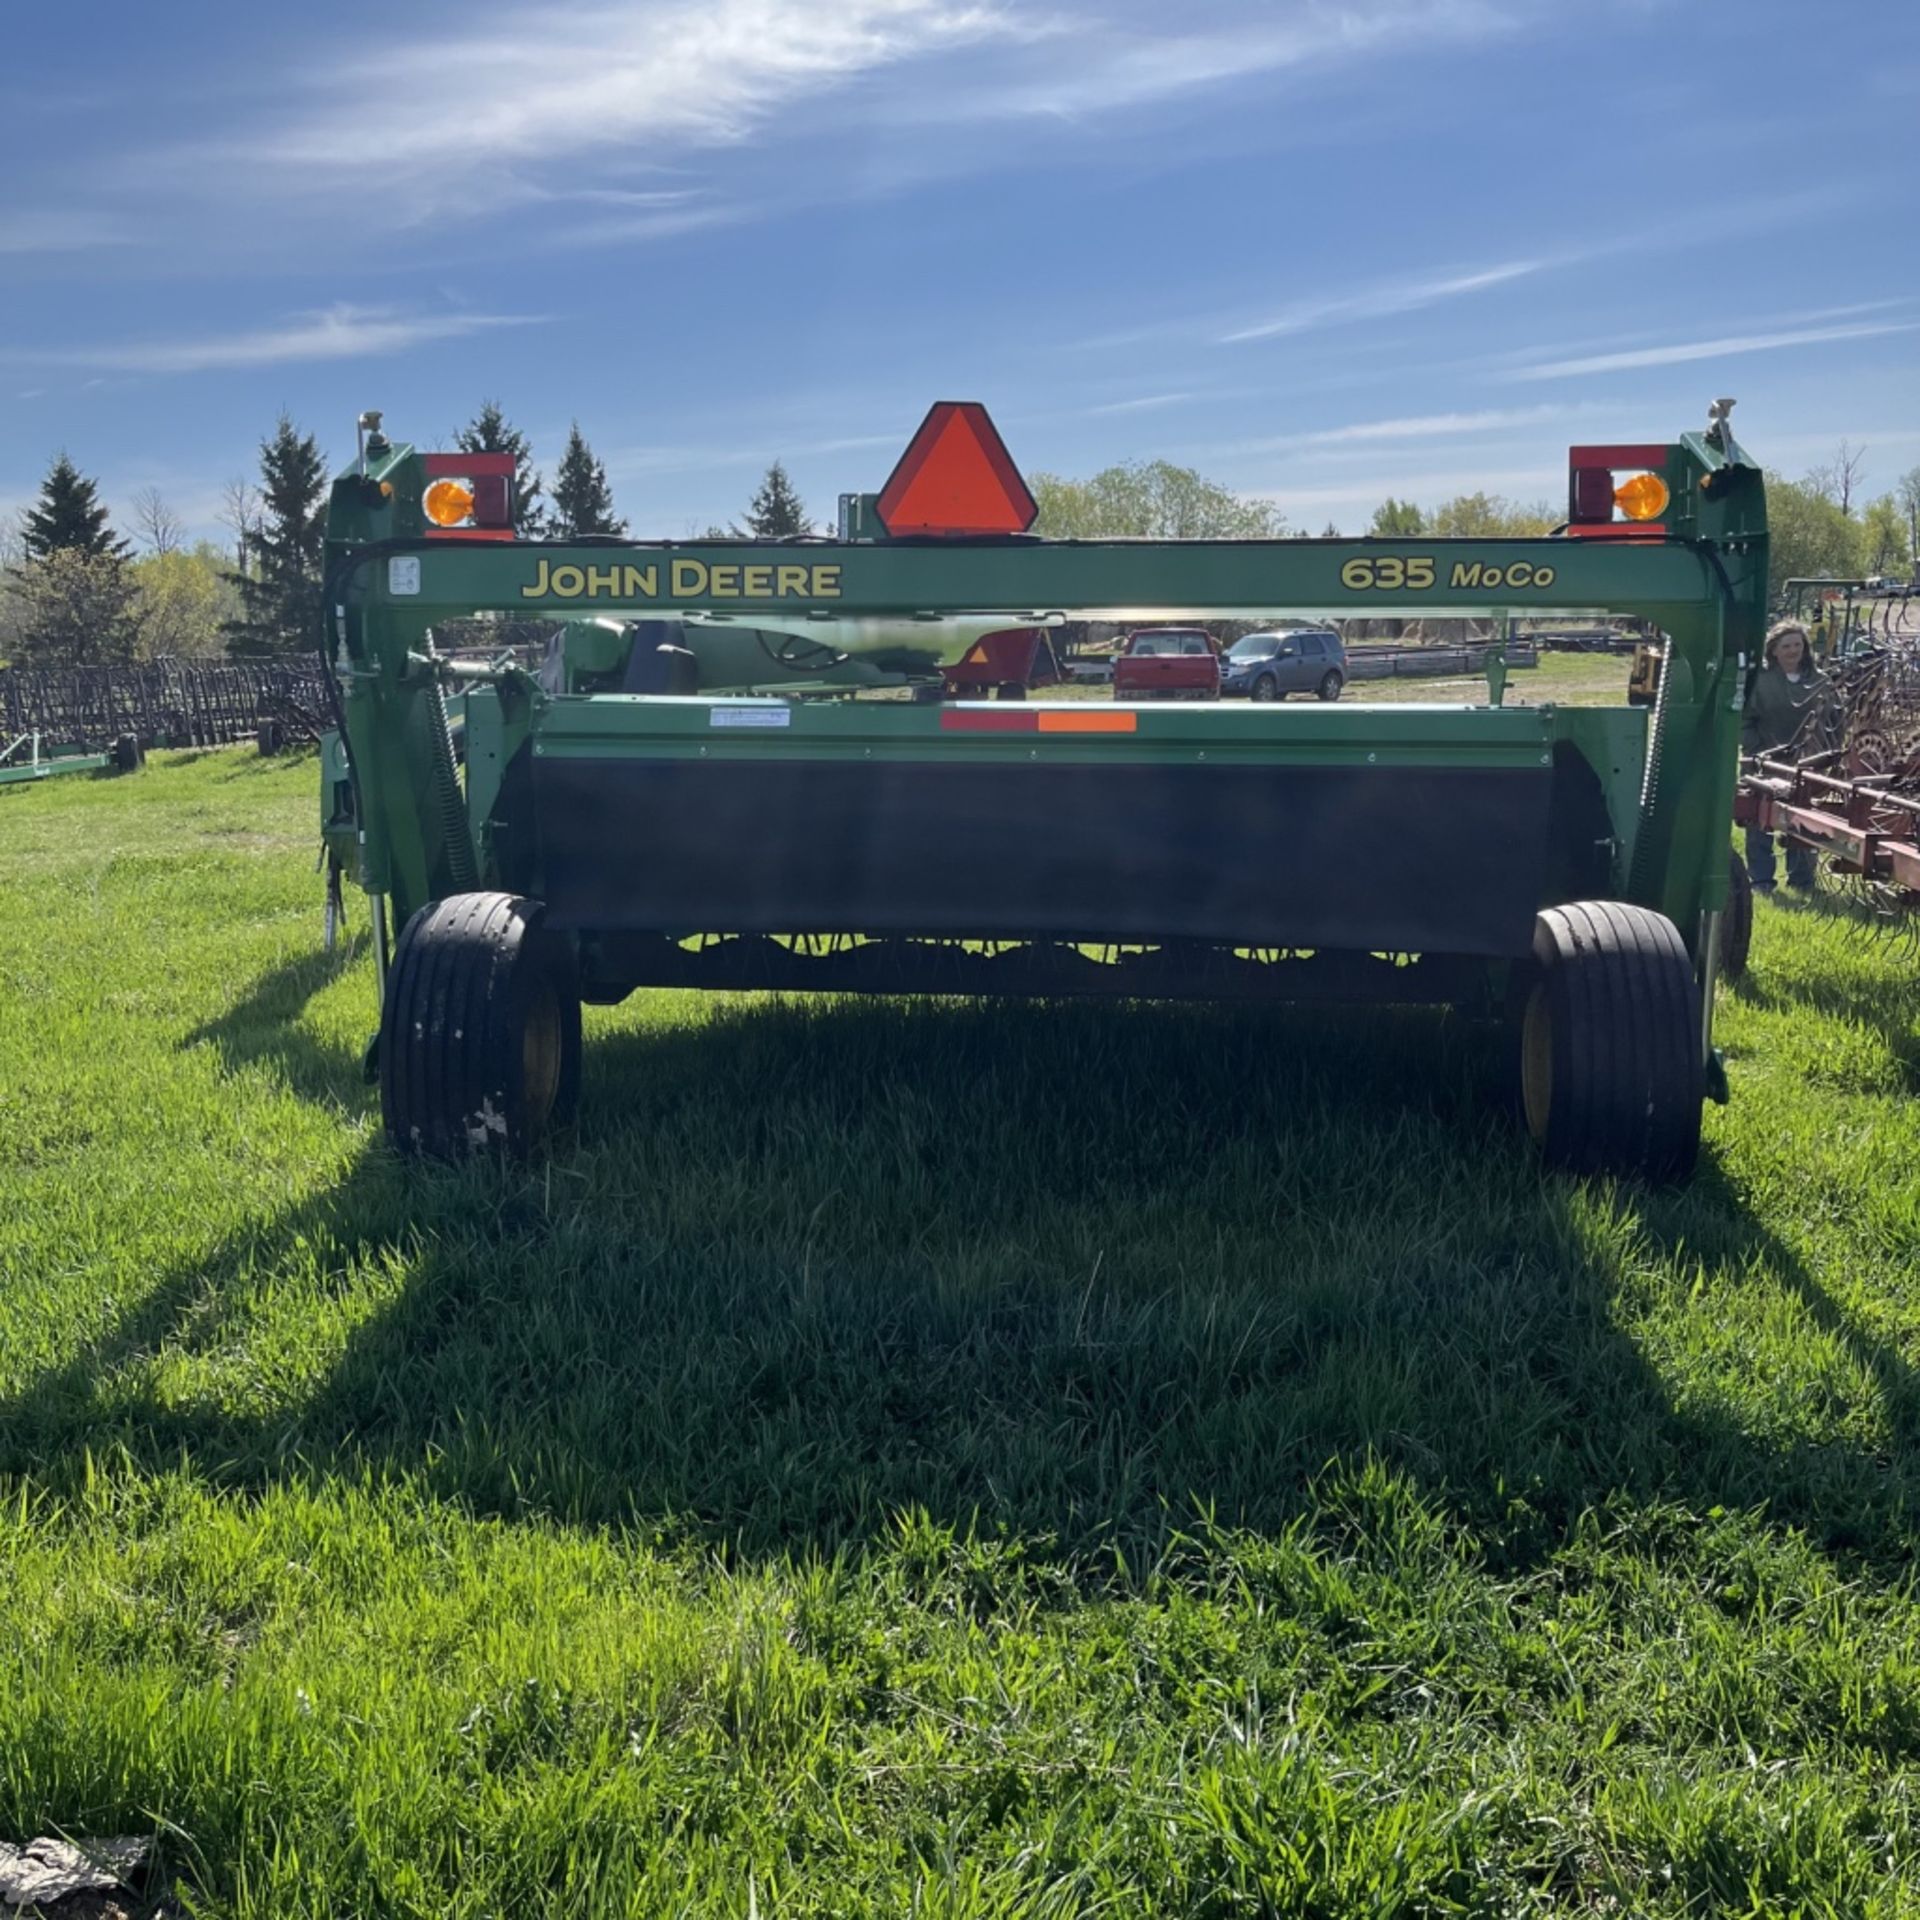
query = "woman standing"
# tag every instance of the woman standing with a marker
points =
(1785, 692)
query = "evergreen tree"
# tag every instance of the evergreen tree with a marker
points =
(68, 517)
(582, 500)
(280, 597)
(776, 512)
(489, 432)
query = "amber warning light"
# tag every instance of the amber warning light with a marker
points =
(1596, 490)
(470, 491)
(955, 480)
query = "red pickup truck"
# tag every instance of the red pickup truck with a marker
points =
(1168, 663)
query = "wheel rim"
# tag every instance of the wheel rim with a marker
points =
(1330, 687)
(1263, 689)
(540, 1049)
(1536, 1063)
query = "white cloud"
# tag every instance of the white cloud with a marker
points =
(1369, 303)
(532, 90)
(1680, 352)
(337, 333)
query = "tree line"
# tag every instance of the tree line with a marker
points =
(74, 590)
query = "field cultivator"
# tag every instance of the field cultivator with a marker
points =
(1855, 796)
(733, 768)
(1869, 832)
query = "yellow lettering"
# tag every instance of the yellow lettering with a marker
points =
(724, 582)
(790, 580)
(1420, 573)
(1543, 576)
(689, 577)
(567, 582)
(1357, 574)
(826, 583)
(1391, 572)
(1520, 574)
(641, 583)
(539, 587)
(602, 580)
(757, 582)
(1465, 574)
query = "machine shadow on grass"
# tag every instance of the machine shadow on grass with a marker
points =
(263, 1027)
(1083, 1274)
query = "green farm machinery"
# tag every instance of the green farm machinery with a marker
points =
(731, 766)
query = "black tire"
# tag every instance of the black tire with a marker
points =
(1610, 1065)
(1330, 684)
(1736, 924)
(129, 756)
(1264, 689)
(480, 1031)
(1013, 690)
(267, 738)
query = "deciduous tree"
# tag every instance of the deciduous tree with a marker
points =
(1839, 479)
(155, 523)
(1883, 537)
(1489, 516)
(1907, 491)
(188, 601)
(1398, 519)
(1150, 499)
(72, 608)
(1809, 534)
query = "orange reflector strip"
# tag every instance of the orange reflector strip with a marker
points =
(1035, 720)
(1059, 721)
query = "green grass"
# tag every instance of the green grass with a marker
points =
(937, 1460)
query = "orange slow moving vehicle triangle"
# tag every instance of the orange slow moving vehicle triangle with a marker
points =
(956, 478)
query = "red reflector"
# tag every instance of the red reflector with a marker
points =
(1592, 497)
(492, 500)
(988, 720)
(956, 478)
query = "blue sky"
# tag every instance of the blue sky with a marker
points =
(1323, 252)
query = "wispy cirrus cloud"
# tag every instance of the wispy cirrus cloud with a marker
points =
(1141, 403)
(336, 333)
(1080, 66)
(1678, 353)
(498, 109)
(533, 92)
(1381, 300)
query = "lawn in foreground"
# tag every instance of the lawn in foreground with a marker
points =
(935, 1459)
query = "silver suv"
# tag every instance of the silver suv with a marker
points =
(1269, 666)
